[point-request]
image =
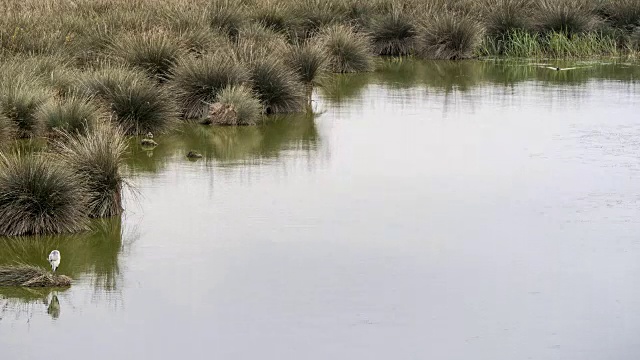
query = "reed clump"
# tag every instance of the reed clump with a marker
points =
(348, 51)
(31, 276)
(246, 106)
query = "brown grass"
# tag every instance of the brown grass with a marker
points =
(31, 276)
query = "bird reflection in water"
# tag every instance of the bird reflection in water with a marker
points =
(53, 307)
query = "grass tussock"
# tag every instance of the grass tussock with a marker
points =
(135, 102)
(502, 17)
(347, 50)
(307, 17)
(309, 60)
(227, 16)
(393, 33)
(247, 107)
(19, 103)
(97, 157)
(449, 37)
(38, 196)
(154, 52)
(31, 276)
(74, 113)
(621, 14)
(276, 86)
(563, 16)
(197, 81)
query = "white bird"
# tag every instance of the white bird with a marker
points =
(54, 260)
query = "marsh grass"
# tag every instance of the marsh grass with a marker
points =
(503, 17)
(247, 107)
(96, 157)
(393, 33)
(347, 50)
(309, 60)
(73, 113)
(38, 196)
(31, 276)
(563, 16)
(449, 36)
(154, 52)
(135, 102)
(197, 81)
(276, 86)
(227, 16)
(622, 14)
(19, 102)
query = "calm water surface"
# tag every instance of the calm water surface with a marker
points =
(466, 210)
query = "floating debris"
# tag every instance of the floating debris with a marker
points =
(194, 155)
(31, 276)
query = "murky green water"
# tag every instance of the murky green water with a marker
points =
(437, 210)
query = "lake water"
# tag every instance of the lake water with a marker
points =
(429, 210)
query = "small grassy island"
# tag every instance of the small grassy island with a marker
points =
(80, 76)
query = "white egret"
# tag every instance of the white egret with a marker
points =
(54, 260)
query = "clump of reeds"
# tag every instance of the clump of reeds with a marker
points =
(197, 81)
(393, 33)
(19, 102)
(276, 86)
(136, 103)
(154, 52)
(247, 108)
(73, 113)
(563, 16)
(31, 276)
(97, 157)
(449, 36)
(348, 51)
(309, 60)
(38, 196)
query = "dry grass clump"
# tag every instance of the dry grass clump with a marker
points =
(393, 33)
(31, 276)
(38, 196)
(247, 108)
(154, 52)
(502, 17)
(563, 16)
(449, 36)
(73, 113)
(227, 16)
(96, 157)
(309, 61)
(20, 99)
(623, 14)
(197, 81)
(136, 103)
(348, 50)
(276, 86)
